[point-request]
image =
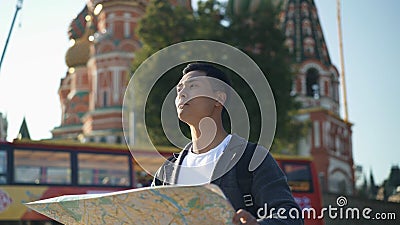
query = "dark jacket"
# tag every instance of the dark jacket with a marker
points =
(269, 187)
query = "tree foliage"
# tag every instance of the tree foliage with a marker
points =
(255, 33)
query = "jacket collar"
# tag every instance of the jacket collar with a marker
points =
(228, 159)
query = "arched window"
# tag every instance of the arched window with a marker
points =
(309, 46)
(312, 78)
(105, 99)
(110, 23)
(127, 25)
(290, 11)
(289, 28)
(289, 44)
(304, 9)
(306, 27)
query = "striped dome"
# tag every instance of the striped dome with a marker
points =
(78, 25)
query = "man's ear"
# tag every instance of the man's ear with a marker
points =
(221, 98)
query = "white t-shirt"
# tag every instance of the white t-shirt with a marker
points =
(197, 169)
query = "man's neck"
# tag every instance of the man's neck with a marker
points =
(207, 136)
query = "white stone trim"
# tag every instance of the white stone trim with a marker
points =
(105, 120)
(314, 65)
(317, 134)
(119, 54)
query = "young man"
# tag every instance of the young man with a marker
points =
(210, 157)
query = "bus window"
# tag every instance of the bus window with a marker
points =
(103, 169)
(298, 176)
(3, 167)
(42, 167)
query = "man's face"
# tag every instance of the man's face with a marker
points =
(195, 98)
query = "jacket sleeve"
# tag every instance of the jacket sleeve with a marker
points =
(271, 191)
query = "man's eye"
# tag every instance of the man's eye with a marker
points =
(192, 85)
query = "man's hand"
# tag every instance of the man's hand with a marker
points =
(244, 217)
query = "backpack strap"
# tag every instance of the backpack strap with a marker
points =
(160, 177)
(245, 177)
(173, 157)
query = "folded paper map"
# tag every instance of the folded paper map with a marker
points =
(178, 205)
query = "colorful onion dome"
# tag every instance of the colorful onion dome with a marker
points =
(79, 31)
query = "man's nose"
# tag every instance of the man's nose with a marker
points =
(182, 94)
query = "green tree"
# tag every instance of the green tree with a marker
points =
(256, 33)
(162, 25)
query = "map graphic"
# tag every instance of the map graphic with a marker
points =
(172, 205)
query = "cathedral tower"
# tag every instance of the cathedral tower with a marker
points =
(74, 88)
(109, 67)
(99, 60)
(103, 46)
(316, 86)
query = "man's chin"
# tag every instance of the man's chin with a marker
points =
(184, 118)
(181, 116)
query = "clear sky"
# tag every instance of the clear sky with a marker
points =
(34, 64)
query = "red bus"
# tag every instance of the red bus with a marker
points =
(33, 170)
(304, 183)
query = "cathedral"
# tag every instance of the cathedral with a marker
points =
(99, 62)
(103, 44)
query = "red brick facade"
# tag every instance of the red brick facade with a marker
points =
(99, 60)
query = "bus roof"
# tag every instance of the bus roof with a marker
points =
(78, 145)
(291, 157)
(67, 144)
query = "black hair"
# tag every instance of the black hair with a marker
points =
(210, 71)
